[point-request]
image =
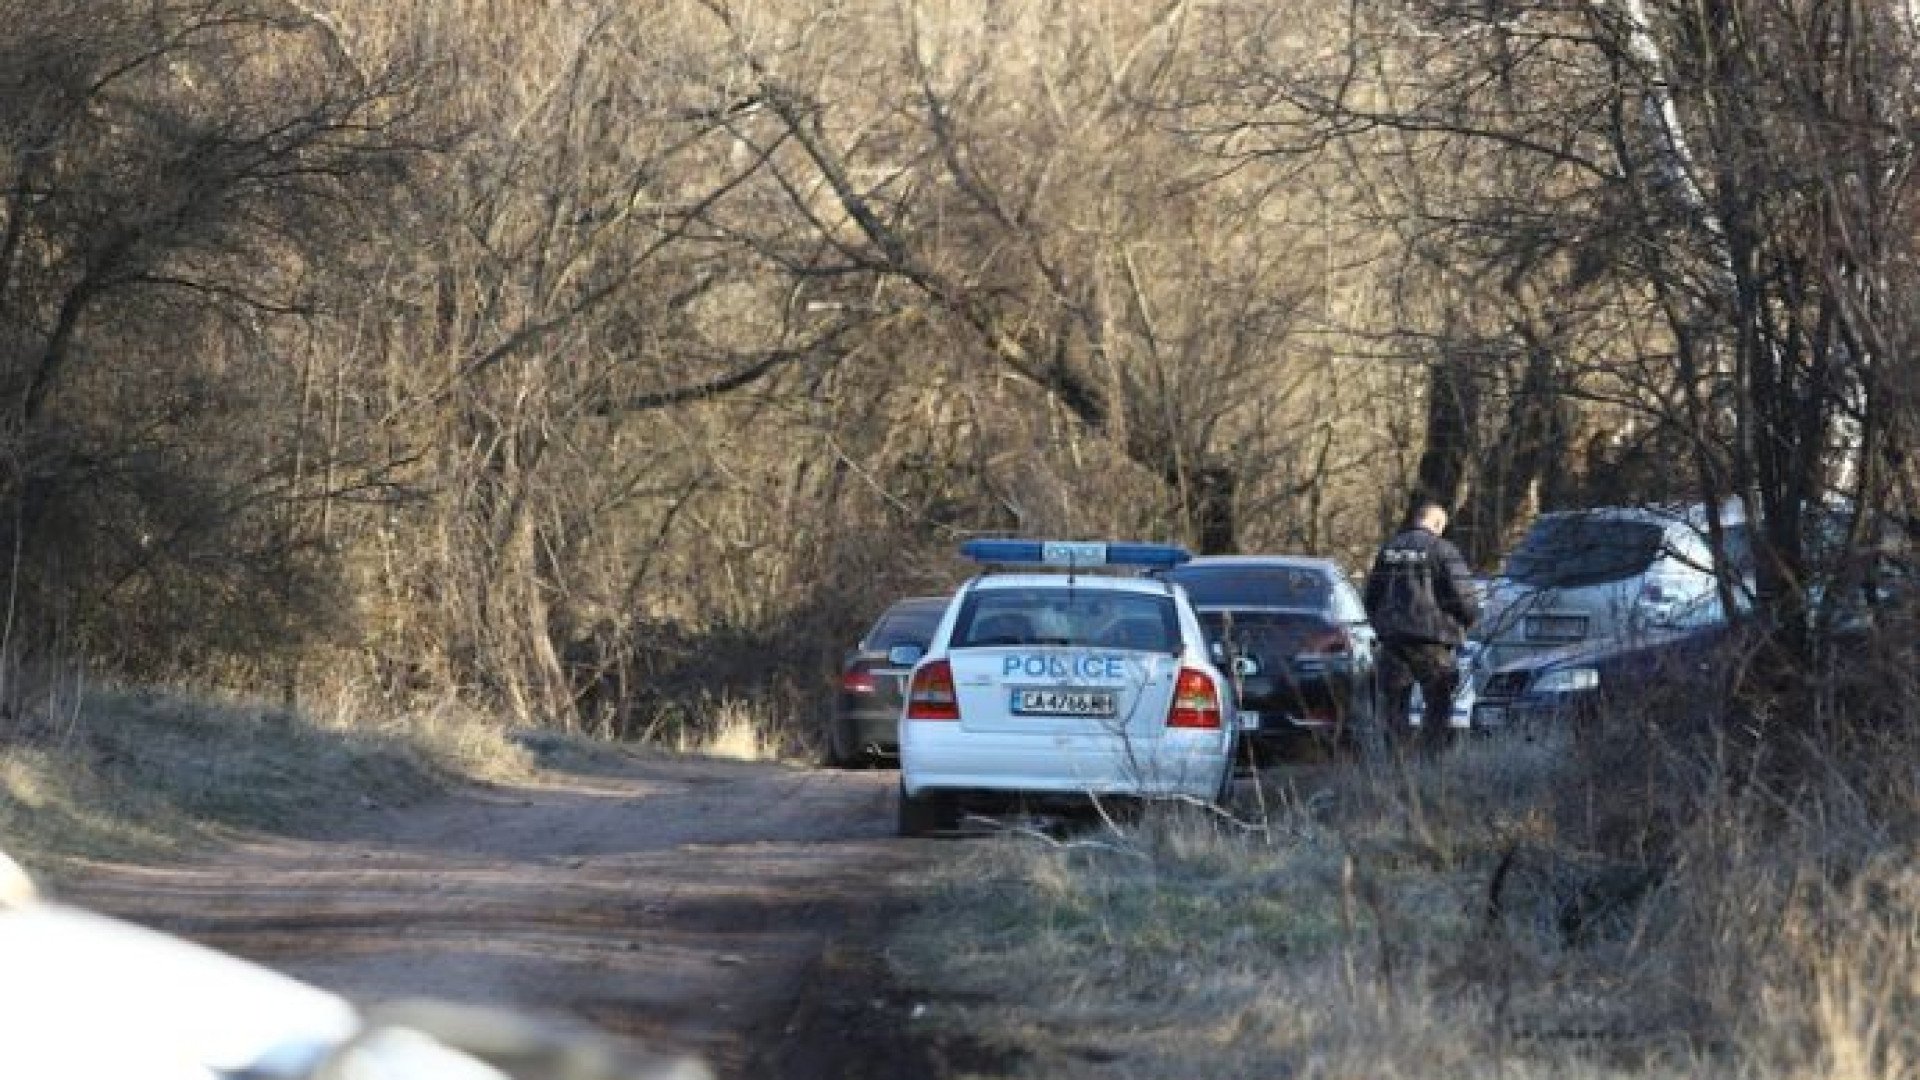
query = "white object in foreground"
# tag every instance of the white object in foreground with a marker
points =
(83, 997)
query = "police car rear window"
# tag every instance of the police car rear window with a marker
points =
(1255, 586)
(991, 618)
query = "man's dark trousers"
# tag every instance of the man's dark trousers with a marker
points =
(1404, 662)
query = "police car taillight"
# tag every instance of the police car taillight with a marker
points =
(1196, 701)
(931, 696)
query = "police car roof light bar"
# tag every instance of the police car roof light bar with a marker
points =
(1074, 554)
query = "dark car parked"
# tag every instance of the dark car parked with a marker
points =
(1574, 685)
(1295, 633)
(866, 711)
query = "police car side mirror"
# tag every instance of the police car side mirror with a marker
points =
(1246, 665)
(905, 655)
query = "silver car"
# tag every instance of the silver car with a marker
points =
(1609, 574)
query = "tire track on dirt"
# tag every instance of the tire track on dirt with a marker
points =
(687, 906)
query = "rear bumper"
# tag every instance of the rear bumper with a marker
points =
(871, 730)
(1322, 704)
(941, 757)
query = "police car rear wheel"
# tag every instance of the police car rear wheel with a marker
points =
(924, 814)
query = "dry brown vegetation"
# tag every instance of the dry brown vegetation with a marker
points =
(1680, 906)
(100, 772)
(604, 366)
(577, 361)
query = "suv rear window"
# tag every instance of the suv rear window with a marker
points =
(1091, 617)
(905, 625)
(1255, 586)
(1567, 551)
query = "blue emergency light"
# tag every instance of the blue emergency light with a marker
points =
(1074, 554)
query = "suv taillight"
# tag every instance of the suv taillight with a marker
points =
(931, 695)
(1196, 701)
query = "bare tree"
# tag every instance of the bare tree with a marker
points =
(1012, 181)
(1714, 186)
(177, 181)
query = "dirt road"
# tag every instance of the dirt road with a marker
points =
(721, 908)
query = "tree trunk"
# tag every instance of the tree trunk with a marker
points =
(1210, 510)
(1519, 458)
(1453, 407)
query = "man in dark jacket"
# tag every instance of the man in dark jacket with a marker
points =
(1421, 601)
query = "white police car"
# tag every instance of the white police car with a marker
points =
(1056, 687)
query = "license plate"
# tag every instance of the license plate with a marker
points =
(1489, 716)
(1096, 703)
(1555, 627)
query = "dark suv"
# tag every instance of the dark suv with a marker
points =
(1295, 634)
(866, 711)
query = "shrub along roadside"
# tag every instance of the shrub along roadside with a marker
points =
(120, 774)
(1525, 910)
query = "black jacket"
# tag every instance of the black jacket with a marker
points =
(1420, 590)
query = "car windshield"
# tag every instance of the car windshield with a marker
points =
(905, 625)
(1094, 617)
(1255, 586)
(1565, 551)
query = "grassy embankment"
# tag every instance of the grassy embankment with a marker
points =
(1528, 910)
(101, 772)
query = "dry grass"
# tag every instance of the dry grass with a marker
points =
(1516, 911)
(119, 773)
(100, 772)
(734, 729)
